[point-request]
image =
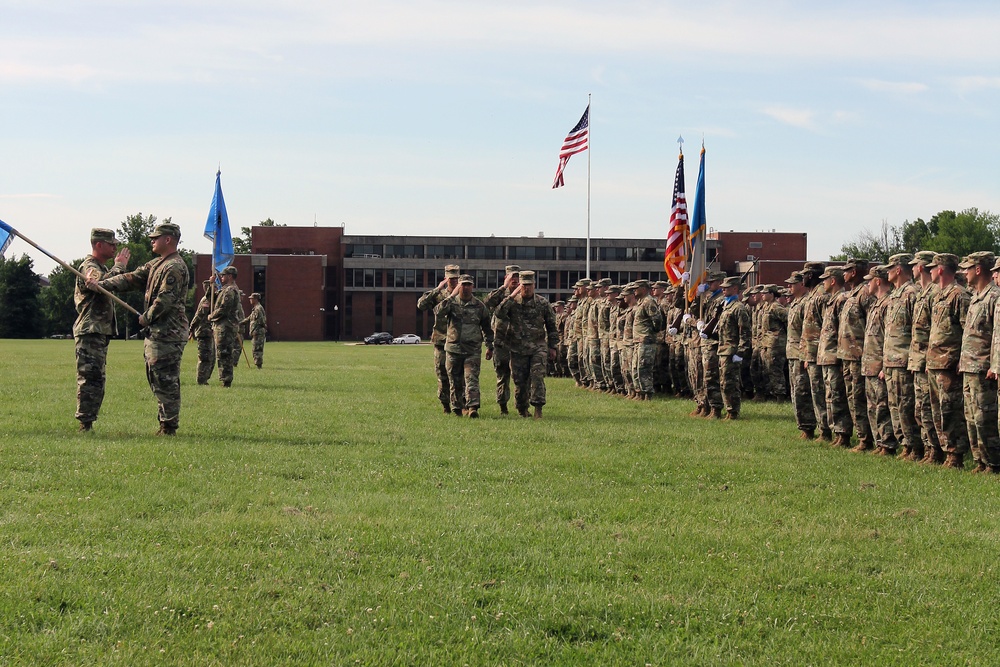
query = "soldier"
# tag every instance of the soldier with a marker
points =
(755, 380)
(837, 410)
(647, 322)
(95, 324)
(258, 328)
(534, 338)
(559, 369)
(675, 341)
(734, 332)
(575, 337)
(599, 310)
(812, 325)
(661, 368)
(917, 364)
(798, 377)
(225, 322)
(944, 349)
(201, 331)
(851, 345)
(773, 343)
(502, 335)
(711, 381)
(429, 301)
(896, 357)
(978, 388)
(616, 322)
(468, 326)
(165, 280)
(627, 347)
(877, 282)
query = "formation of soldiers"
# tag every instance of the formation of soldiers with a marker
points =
(902, 356)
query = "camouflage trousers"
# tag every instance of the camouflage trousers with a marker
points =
(596, 363)
(695, 374)
(710, 374)
(817, 390)
(616, 369)
(206, 358)
(586, 372)
(609, 379)
(628, 378)
(226, 352)
(802, 402)
(678, 368)
(837, 411)
(661, 367)
(981, 416)
(878, 413)
(758, 375)
(528, 371)
(729, 380)
(501, 364)
(573, 360)
(902, 408)
(924, 414)
(258, 349)
(91, 358)
(163, 371)
(949, 415)
(441, 372)
(854, 380)
(643, 367)
(775, 367)
(463, 371)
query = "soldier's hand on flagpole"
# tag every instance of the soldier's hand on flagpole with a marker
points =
(686, 277)
(672, 331)
(142, 321)
(687, 316)
(737, 358)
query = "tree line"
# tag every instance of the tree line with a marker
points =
(959, 233)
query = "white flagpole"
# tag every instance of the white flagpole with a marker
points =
(590, 136)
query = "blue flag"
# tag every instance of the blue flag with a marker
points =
(217, 229)
(698, 266)
(6, 234)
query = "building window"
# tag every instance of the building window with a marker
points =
(486, 252)
(542, 279)
(348, 315)
(650, 254)
(488, 279)
(404, 251)
(573, 253)
(378, 312)
(756, 245)
(419, 319)
(530, 252)
(388, 311)
(402, 278)
(436, 277)
(363, 250)
(445, 252)
(616, 254)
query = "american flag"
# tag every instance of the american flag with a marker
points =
(577, 141)
(674, 259)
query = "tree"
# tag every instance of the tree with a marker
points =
(19, 313)
(57, 301)
(965, 232)
(875, 246)
(243, 244)
(947, 231)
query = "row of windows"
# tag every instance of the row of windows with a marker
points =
(514, 252)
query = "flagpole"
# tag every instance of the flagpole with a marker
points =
(590, 149)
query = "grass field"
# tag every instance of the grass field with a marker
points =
(324, 511)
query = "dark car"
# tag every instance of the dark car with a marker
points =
(380, 338)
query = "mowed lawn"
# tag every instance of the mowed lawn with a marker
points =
(324, 511)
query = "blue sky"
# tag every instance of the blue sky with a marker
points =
(439, 117)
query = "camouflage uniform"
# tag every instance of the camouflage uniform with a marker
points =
(837, 410)
(944, 348)
(898, 379)
(628, 351)
(812, 325)
(711, 379)
(165, 280)
(533, 325)
(773, 344)
(94, 326)
(647, 321)
(980, 392)
(468, 326)
(225, 322)
(798, 378)
(678, 350)
(258, 332)
(502, 339)
(852, 339)
(734, 330)
(875, 387)
(430, 300)
(917, 364)
(201, 331)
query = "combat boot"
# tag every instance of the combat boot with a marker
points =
(538, 412)
(523, 412)
(697, 412)
(446, 407)
(807, 435)
(473, 413)
(166, 429)
(714, 414)
(885, 451)
(863, 446)
(503, 409)
(457, 412)
(86, 427)
(731, 416)
(842, 440)
(932, 456)
(954, 460)
(980, 468)
(825, 435)
(916, 454)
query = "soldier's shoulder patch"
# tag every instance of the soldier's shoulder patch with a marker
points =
(171, 279)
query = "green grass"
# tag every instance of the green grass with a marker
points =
(324, 511)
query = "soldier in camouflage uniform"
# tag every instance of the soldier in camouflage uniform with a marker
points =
(871, 364)
(627, 347)
(711, 380)
(533, 341)
(896, 356)
(773, 343)
(560, 370)
(838, 411)
(944, 349)
(798, 377)
(95, 324)
(646, 323)
(258, 329)
(576, 352)
(852, 340)
(225, 324)
(926, 294)
(812, 325)
(502, 335)
(675, 341)
(468, 326)
(661, 369)
(756, 379)
(616, 320)
(598, 307)
(201, 332)
(429, 301)
(165, 280)
(978, 388)
(734, 332)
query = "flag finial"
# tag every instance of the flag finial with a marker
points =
(680, 145)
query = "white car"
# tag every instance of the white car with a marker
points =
(406, 339)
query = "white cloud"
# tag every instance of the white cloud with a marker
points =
(894, 87)
(801, 118)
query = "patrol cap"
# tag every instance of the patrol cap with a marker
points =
(996, 265)
(452, 270)
(715, 276)
(784, 291)
(900, 259)
(615, 289)
(733, 281)
(794, 279)
(255, 295)
(751, 291)
(559, 304)
(880, 271)
(860, 263)
(628, 290)
(512, 268)
(642, 283)
(582, 282)
(466, 279)
(230, 271)
(832, 272)
(604, 282)
(166, 229)
(945, 259)
(572, 299)
(662, 284)
(100, 234)
(527, 277)
(814, 267)
(923, 257)
(983, 258)
(774, 289)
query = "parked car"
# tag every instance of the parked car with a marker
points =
(407, 339)
(379, 338)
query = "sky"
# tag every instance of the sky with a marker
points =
(433, 117)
